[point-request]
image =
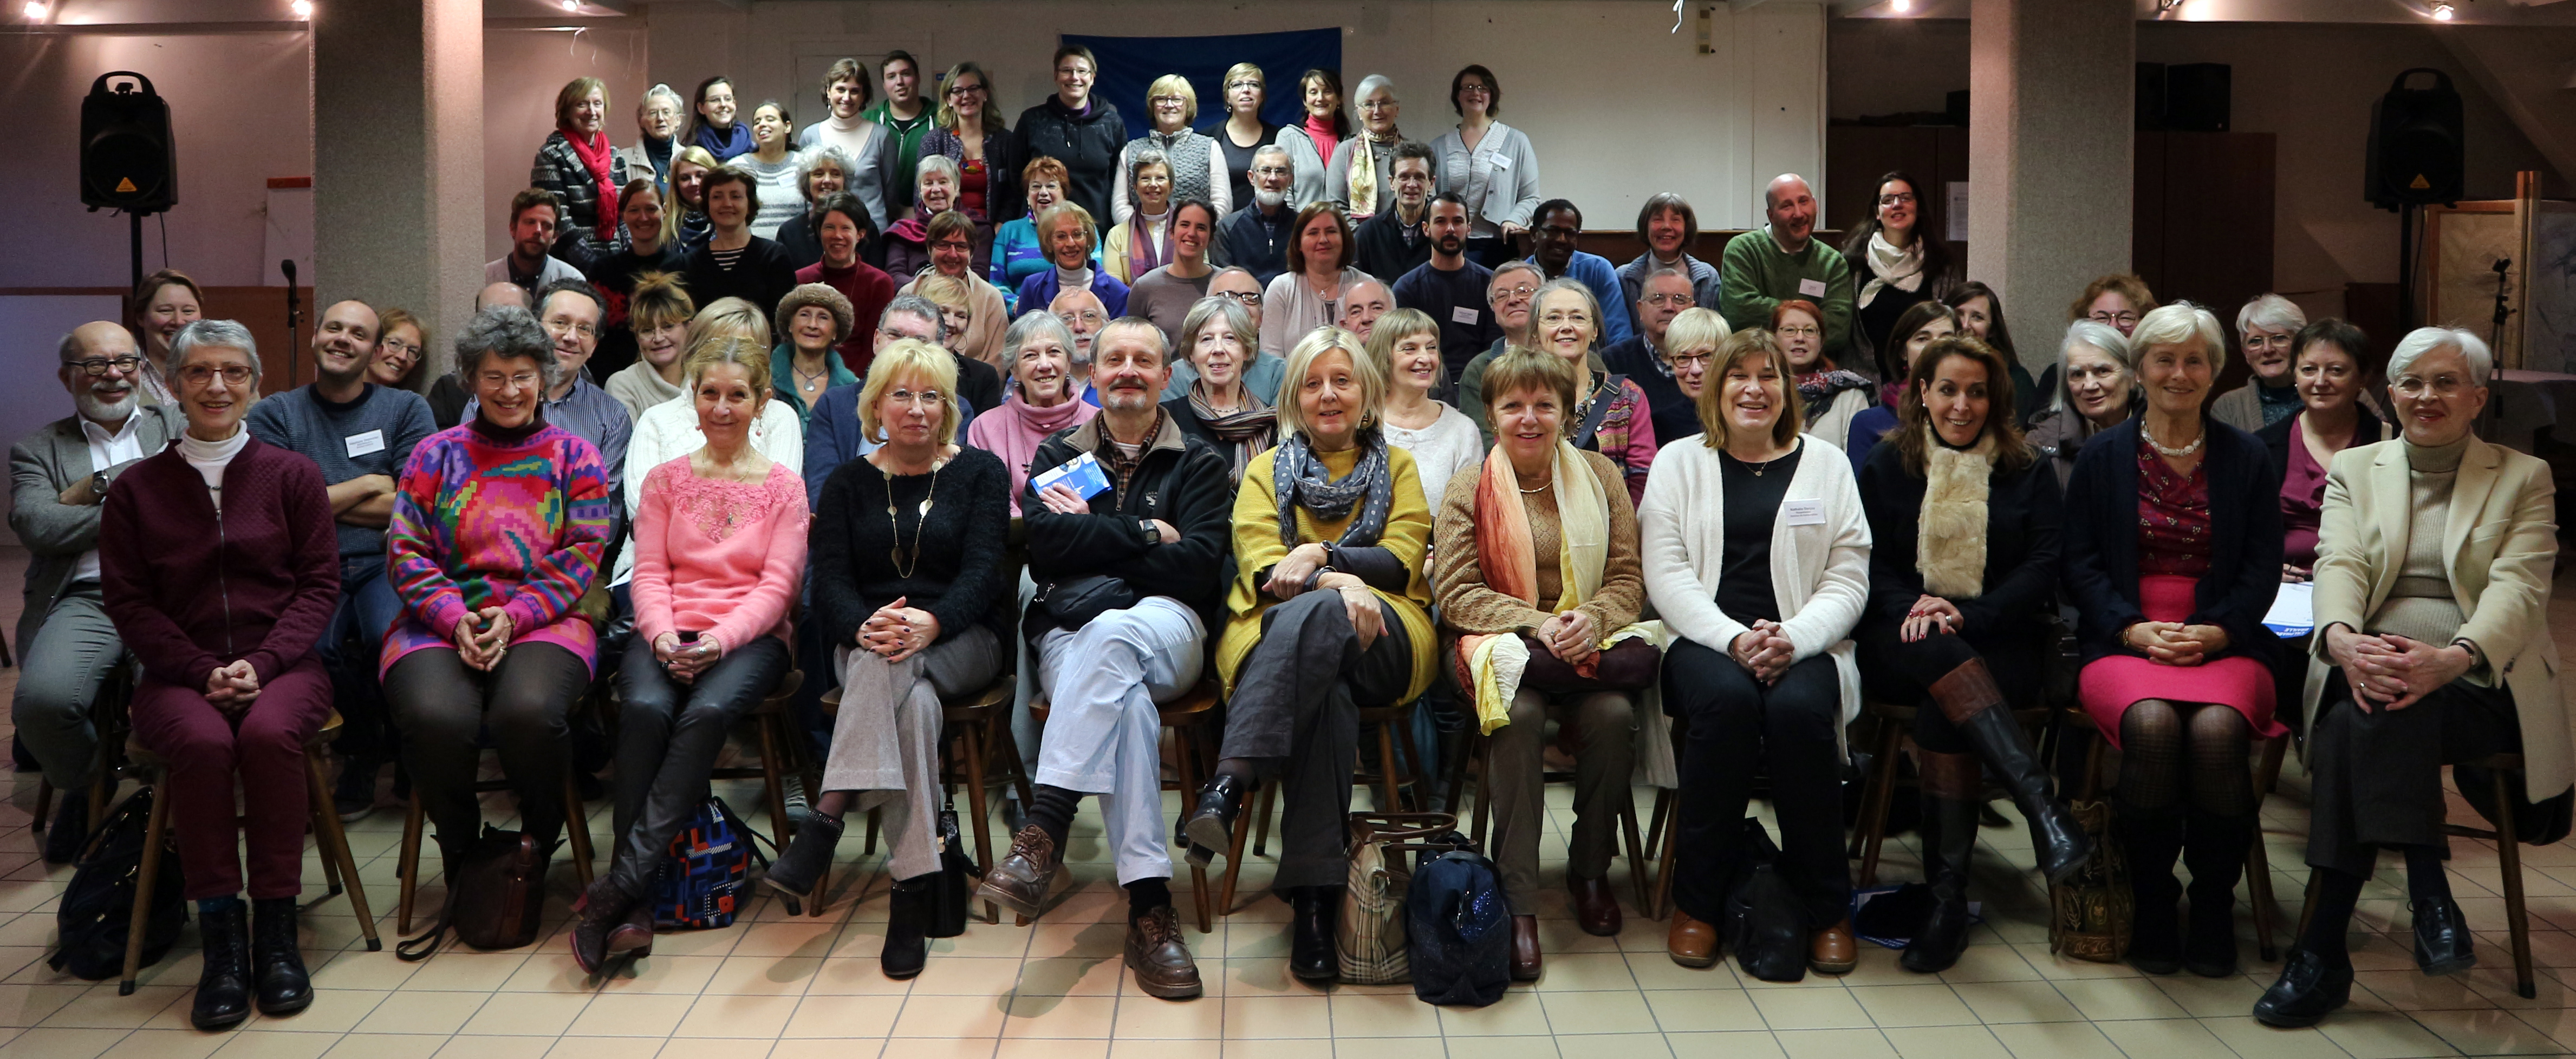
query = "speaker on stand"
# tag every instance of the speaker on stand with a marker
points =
(128, 160)
(2415, 159)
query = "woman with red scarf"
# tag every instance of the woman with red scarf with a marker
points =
(579, 165)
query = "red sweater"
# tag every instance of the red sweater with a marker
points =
(191, 590)
(869, 290)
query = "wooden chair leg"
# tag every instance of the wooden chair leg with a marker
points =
(2093, 768)
(408, 868)
(2258, 893)
(1663, 902)
(2517, 918)
(1636, 847)
(1458, 769)
(577, 829)
(1391, 798)
(1015, 770)
(333, 841)
(155, 831)
(1261, 820)
(773, 780)
(1883, 793)
(1421, 781)
(1234, 851)
(1655, 824)
(973, 734)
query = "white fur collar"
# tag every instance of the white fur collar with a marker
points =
(1950, 546)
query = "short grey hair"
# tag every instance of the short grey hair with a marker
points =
(2095, 335)
(816, 157)
(1516, 265)
(1140, 157)
(2417, 342)
(1268, 148)
(2176, 324)
(918, 306)
(509, 332)
(1372, 83)
(2271, 312)
(230, 334)
(646, 99)
(1032, 325)
(939, 162)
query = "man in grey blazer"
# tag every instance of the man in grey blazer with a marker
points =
(58, 476)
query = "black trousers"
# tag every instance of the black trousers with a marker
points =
(1738, 726)
(2376, 775)
(1898, 672)
(668, 736)
(1296, 702)
(442, 707)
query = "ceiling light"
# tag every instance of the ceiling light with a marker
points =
(2441, 12)
(1900, 6)
(35, 10)
(572, 6)
(302, 8)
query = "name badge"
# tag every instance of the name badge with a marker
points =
(1501, 163)
(1803, 512)
(1465, 316)
(362, 444)
(1812, 288)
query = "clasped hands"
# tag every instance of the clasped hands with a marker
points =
(684, 661)
(898, 632)
(483, 637)
(2174, 643)
(1571, 636)
(1288, 581)
(1931, 614)
(2391, 669)
(1764, 649)
(231, 688)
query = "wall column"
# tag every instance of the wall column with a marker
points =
(2051, 149)
(398, 157)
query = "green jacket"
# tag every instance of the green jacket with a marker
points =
(1754, 277)
(907, 136)
(782, 378)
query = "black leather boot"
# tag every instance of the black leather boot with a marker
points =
(2442, 941)
(223, 987)
(1210, 826)
(1968, 697)
(276, 965)
(907, 940)
(2153, 839)
(603, 906)
(1312, 951)
(2310, 986)
(1949, 836)
(2214, 849)
(793, 875)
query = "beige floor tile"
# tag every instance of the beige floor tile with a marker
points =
(1493, 1048)
(1081, 939)
(1810, 1009)
(1083, 976)
(661, 974)
(1914, 1005)
(386, 1046)
(2253, 1038)
(1654, 970)
(179, 1044)
(2160, 1037)
(1042, 1048)
(1997, 1002)
(61, 1044)
(1289, 1048)
(1620, 1012)
(576, 1046)
(2060, 967)
(1269, 1017)
(1585, 972)
(1146, 1018)
(1516, 1014)
(2104, 999)
(985, 976)
(807, 938)
(1991, 963)
(845, 1017)
(811, 1048)
(763, 975)
(1946, 1042)
(737, 1017)
(26, 1005)
(2378, 1035)
(454, 971)
(1704, 1011)
(2409, 990)
(1157, 1049)
(1745, 1044)
(423, 1012)
(1062, 1017)
(261, 1044)
(855, 975)
(1835, 1044)
(101, 1009)
(2212, 998)
(1613, 1046)
(527, 1014)
(950, 1016)
(1383, 1015)
(361, 970)
(626, 1016)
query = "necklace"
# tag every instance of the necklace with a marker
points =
(896, 553)
(2161, 450)
(1757, 468)
(1542, 487)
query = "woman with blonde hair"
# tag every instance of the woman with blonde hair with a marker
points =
(1196, 167)
(1406, 346)
(579, 163)
(1690, 342)
(1244, 130)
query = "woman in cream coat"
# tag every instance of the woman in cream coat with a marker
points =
(1756, 554)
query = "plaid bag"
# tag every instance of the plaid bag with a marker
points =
(2088, 914)
(1371, 930)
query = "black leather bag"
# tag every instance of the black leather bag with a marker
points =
(1766, 925)
(98, 906)
(1073, 602)
(952, 891)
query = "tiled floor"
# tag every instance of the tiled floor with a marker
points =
(794, 988)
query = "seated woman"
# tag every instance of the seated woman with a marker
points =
(213, 710)
(2433, 648)
(1406, 345)
(1610, 414)
(2268, 328)
(401, 358)
(719, 557)
(1069, 237)
(812, 322)
(1329, 613)
(917, 614)
(672, 429)
(1690, 342)
(1829, 397)
(979, 334)
(907, 243)
(1224, 406)
(1758, 580)
(822, 171)
(1922, 324)
(1961, 583)
(734, 263)
(657, 313)
(2328, 370)
(1308, 294)
(1981, 317)
(1537, 564)
(497, 531)
(2095, 387)
(1041, 403)
(1018, 252)
(2173, 554)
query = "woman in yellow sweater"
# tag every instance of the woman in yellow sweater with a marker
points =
(1329, 613)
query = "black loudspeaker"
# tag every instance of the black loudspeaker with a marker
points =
(2196, 96)
(2151, 96)
(128, 160)
(2416, 153)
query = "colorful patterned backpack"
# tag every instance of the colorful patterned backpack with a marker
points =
(704, 876)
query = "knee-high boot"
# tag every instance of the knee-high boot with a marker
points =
(2213, 847)
(1953, 795)
(2152, 839)
(1968, 698)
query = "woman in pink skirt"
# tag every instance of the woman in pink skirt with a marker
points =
(2173, 544)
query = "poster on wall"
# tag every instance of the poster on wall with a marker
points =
(2549, 329)
(1128, 65)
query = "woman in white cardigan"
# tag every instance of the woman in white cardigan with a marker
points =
(1756, 553)
(1489, 164)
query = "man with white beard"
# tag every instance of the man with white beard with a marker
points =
(1255, 238)
(58, 477)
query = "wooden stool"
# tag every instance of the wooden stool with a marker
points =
(2509, 860)
(2258, 866)
(1393, 724)
(576, 830)
(1637, 855)
(1878, 789)
(1668, 828)
(779, 746)
(1187, 717)
(338, 868)
(982, 721)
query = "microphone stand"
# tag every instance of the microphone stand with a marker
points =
(294, 320)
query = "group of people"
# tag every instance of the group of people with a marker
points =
(1531, 494)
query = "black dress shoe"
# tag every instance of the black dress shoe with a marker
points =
(276, 967)
(1210, 826)
(2442, 941)
(1311, 950)
(2309, 988)
(223, 986)
(907, 941)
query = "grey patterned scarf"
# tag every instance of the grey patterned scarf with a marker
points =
(1301, 480)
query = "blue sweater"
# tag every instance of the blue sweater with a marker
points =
(371, 435)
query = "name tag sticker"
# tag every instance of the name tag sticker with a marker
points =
(1501, 162)
(1812, 288)
(362, 444)
(1803, 512)
(1465, 316)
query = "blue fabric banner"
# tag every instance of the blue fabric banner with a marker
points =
(1129, 64)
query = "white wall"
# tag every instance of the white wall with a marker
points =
(1595, 84)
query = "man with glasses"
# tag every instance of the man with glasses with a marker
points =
(1645, 359)
(1761, 269)
(1394, 242)
(1508, 296)
(1082, 312)
(1255, 238)
(1553, 250)
(58, 477)
(360, 435)
(1450, 288)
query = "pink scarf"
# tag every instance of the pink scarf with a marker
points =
(1320, 130)
(596, 156)
(1015, 433)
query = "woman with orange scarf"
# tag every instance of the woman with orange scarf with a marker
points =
(1536, 561)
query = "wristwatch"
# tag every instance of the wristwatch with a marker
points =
(1152, 536)
(98, 484)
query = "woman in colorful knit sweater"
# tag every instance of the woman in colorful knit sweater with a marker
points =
(719, 555)
(497, 531)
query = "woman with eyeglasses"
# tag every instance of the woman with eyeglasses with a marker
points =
(1243, 132)
(1077, 128)
(1489, 164)
(970, 133)
(2266, 328)
(402, 345)
(1197, 168)
(1233, 385)
(1894, 262)
(1829, 396)
(1361, 175)
(1610, 415)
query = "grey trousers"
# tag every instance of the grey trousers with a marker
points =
(1296, 706)
(59, 674)
(885, 741)
(1605, 755)
(1103, 734)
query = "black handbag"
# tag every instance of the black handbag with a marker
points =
(950, 893)
(1073, 602)
(1765, 924)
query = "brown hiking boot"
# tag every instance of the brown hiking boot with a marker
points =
(1025, 879)
(1160, 958)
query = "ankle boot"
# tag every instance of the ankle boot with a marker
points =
(2153, 838)
(223, 987)
(1951, 800)
(1313, 949)
(1969, 699)
(277, 968)
(2213, 848)
(907, 940)
(793, 875)
(602, 907)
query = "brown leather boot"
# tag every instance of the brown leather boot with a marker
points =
(1690, 942)
(1159, 956)
(1832, 950)
(1025, 878)
(1595, 906)
(1525, 948)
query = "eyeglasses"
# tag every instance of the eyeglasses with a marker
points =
(201, 374)
(519, 381)
(98, 366)
(911, 399)
(2120, 320)
(559, 325)
(1173, 100)
(1520, 293)
(2417, 386)
(1696, 360)
(1901, 198)
(1245, 82)
(1677, 301)
(1086, 316)
(1246, 298)
(1273, 170)
(1799, 331)
(965, 90)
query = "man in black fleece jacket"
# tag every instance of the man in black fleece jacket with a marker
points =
(1078, 129)
(1162, 527)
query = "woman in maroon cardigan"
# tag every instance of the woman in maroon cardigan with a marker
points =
(220, 567)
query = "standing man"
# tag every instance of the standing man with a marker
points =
(1761, 269)
(1644, 358)
(58, 476)
(1451, 289)
(1393, 242)
(529, 265)
(1560, 224)
(1255, 238)
(906, 117)
(360, 435)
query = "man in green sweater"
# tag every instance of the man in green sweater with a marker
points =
(906, 114)
(1759, 270)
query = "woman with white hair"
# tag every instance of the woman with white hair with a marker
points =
(2266, 327)
(907, 242)
(1361, 174)
(2432, 648)
(821, 172)
(657, 128)
(2095, 388)
(1197, 168)
(2173, 554)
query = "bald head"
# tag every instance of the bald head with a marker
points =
(107, 397)
(1791, 207)
(344, 339)
(503, 294)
